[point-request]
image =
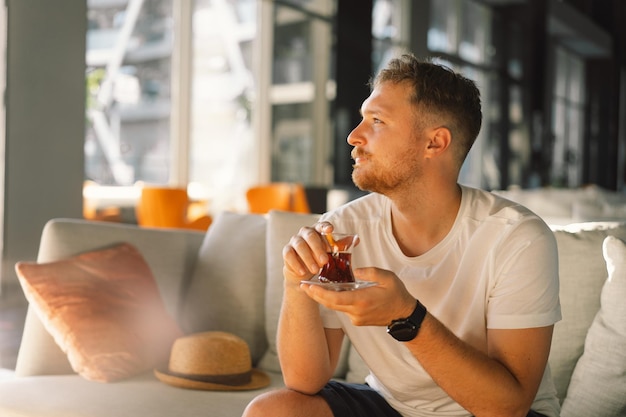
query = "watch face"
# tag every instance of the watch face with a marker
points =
(402, 331)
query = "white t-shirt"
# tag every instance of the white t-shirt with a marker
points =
(497, 268)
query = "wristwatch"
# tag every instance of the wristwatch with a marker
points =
(406, 329)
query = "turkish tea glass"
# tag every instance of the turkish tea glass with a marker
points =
(339, 266)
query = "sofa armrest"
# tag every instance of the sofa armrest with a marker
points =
(39, 354)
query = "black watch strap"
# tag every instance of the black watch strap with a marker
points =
(407, 328)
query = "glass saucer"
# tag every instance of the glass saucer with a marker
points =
(341, 286)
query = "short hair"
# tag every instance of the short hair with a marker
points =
(439, 92)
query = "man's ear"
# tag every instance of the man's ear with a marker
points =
(440, 139)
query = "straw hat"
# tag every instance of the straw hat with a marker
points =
(212, 361)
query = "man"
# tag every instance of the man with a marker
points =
(461, 320)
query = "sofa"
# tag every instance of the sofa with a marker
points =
(230, 279)
(563, 206)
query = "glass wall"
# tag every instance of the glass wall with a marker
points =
(133, 100)
(222, 155)
(568, 119)
(390, 30)
(460, 34)
(146, 127)
(302, 90)
(129, 49)
(237, 124)
(476, 40)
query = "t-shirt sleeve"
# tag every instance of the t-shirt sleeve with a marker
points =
(525, 291)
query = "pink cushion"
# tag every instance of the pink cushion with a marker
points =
(104, 310)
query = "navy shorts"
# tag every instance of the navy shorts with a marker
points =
(359, 400)
(356, 400)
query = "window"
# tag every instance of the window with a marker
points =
(194, 93)
(460, 35)
(301, 91)
(178, 94)
(568, 119)
(129, 49)
(390, 30)
(222, 158)
(161, 112)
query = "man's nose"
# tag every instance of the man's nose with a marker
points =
(355, 137)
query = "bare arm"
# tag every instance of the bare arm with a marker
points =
(500, 382)
(308, 353)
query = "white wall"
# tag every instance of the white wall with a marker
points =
(45, 95)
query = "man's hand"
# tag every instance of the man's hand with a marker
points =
(373, 306)
(308, 352)
(306, 253)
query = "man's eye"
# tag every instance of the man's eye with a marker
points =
(376, 121)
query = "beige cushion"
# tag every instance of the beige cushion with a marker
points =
(227, 279)
(280, 227)
(357, 370)
(597, 387)
(104, 310)
(582, 273)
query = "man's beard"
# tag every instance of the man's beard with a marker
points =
(364, 181)
(386, 181)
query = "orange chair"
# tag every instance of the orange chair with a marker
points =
(277, 196)
(168, 207)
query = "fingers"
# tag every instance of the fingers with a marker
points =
(306, 251)
(374, 306)
(334, 300)
(324, 227)
(357, 305)
(368, 274)
(293, 265)
(396, 300)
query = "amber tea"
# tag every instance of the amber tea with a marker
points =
(338, 268)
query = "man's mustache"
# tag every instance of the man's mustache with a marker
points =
(358, 154)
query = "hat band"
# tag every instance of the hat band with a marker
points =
(226, 379)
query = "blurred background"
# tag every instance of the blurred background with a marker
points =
(106, 97)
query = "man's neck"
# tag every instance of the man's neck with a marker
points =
(422, 219)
